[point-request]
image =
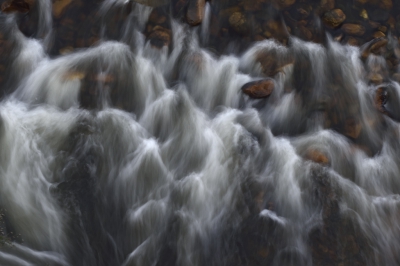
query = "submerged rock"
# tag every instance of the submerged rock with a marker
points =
(259, 89)
(12, 6)
(195, 13)
(334, 18)
(353, 29)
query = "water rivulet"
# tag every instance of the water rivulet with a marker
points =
(126, 154)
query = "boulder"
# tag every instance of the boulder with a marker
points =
(316, 156)
(238, 22)
(282, 4)
(334, 18)
(20, 6)
(353, 29)
(59, 6)
(195, 12)
(259, 89)
(160, 37)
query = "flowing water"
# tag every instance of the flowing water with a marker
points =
(169, 163)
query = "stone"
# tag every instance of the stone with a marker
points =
(282, 4)
(73, 75)
(352, 41)
(66, 50)
(378, 45)
(378, 34)
(12, 6)
(327, 4)
(375, 78)
(316, 156)
(381, 99)
(352, 128)
(334, 18)
(160, 37)
(259, 89)
(364, 14)
(195, 12)
(353, 29)
(59, 6)
(386, 4)
(238, 22)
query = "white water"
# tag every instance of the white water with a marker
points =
(165, 167)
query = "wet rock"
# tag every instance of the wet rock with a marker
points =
(364, 14)
(379, 44)
(21, 6)
(238, 22)
(327, 5)
(282, 4)
(380, 99)
(59, 7)
(160, 37)
(195, 12)
(352, 41)
(378, 34)
(375, 78)
(73, 75)
(316, 156)
(259, 89)
(156, 17)
(386, 4)
(353, 29)
(271, 63)
(276, 29)
(352, 128)
(375, 46)
(334, 18)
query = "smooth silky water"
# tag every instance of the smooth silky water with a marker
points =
(157, 170)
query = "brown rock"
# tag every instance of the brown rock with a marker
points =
(352, 128)
(259, 89)
(353, 29)
(378, 45)
(238, 22)
(380, 99)
(66, 50)
(160, 37)
(352, 41)
(375, 78)
(281, 4)
(73, 75)
(327, 4)
(378, 34)
(271, 63)
(386, 4)
(59, 6)
(396, 77)
(364, 14)
(195, 12)
(11, 6)
(334, 18)
(316, 156)
(157, 18)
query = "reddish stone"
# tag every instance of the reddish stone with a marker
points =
(259, 89)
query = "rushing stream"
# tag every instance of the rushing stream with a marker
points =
(125, 154)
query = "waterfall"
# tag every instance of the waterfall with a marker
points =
(124, 153)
